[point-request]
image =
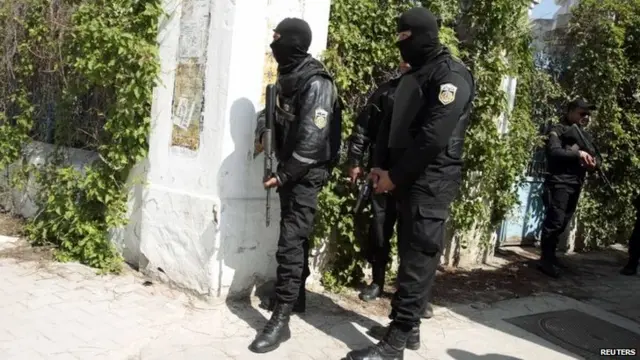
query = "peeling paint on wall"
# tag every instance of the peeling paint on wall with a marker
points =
(188, 96)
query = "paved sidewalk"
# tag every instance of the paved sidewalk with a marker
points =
(64, 311)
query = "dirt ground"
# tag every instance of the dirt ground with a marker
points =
(21, 251)
(511, 274)
(10, 225)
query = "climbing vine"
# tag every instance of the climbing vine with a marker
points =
(604, 67)
(497, 45)
(101, 70)
(14, 130)
(492, 38)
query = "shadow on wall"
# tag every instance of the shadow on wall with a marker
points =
(247, 248)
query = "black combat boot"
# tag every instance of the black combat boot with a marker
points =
(374, 290)
(546, 266)
(631, 268)
(413, 340)
(428, 313)
(275, 332)
(389, 348)
(558, 263)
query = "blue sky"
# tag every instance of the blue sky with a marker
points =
(544, 10)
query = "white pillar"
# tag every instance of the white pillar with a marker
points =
(198, 221)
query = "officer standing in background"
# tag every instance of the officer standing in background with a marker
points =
(426, 138)
(307, 117)
(375, 115)
(567, 166)
(634, 244)
(363, 137)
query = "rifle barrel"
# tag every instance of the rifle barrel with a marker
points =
(270, 113)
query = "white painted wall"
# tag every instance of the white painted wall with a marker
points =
(198, 222)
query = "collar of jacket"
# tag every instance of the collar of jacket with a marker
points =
(289, 82)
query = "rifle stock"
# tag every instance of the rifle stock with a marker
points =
(270, 113)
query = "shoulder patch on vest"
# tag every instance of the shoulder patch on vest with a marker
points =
(320, 118)
(447, 93)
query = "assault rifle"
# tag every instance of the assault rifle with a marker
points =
(576, 133)
(267, 138)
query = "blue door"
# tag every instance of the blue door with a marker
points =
(522, 226)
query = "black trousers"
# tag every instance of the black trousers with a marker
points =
(634, 241)
(560, 201)
(298, 204)
(383, 221)
(421, 235)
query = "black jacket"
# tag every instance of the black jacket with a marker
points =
(426, 147)
(563, 155)
(304, 119)
(365, 130)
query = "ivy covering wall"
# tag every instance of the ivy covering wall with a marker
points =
(91, 66)
(604, 41)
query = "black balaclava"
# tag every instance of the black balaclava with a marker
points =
(423, 44)
(292, 46)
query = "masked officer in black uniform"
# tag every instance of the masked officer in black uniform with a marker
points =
(426, 136)
(634, 244)
(376, 112)
(567, 166)
(306, 147)
(363, 137)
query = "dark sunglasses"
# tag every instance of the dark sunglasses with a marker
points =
(584, 114)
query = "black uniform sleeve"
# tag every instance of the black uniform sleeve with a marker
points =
(316, 114)
(360, 138)
(555, 149)
(381, 152)
(436, 127)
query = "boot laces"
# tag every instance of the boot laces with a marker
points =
(276, 317)
(271, 325)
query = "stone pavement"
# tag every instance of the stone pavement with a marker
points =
(65, 311)
(595, 280)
